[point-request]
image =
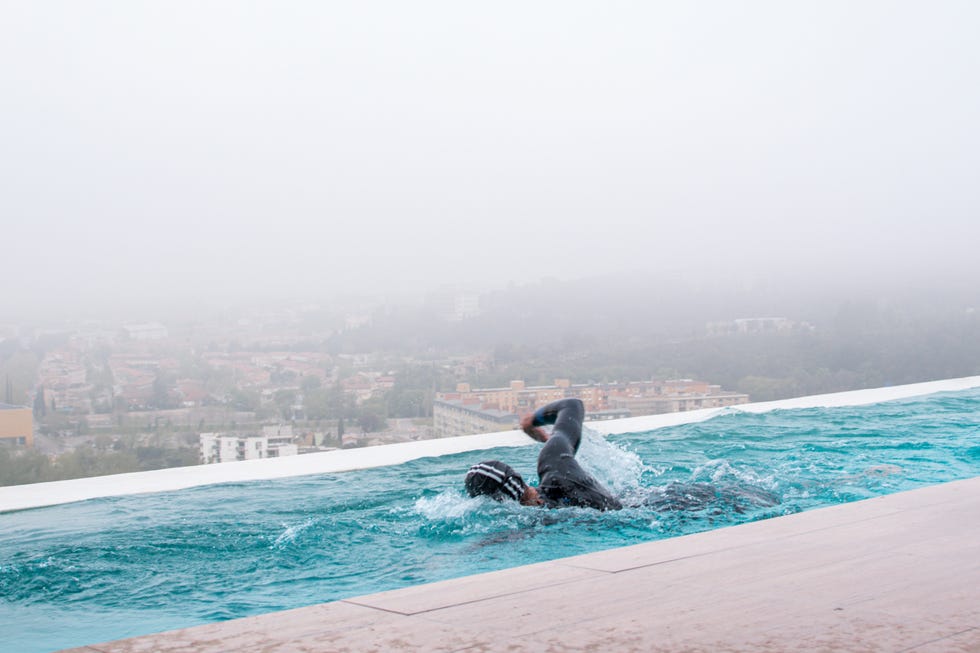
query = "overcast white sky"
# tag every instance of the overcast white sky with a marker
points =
(192, 150)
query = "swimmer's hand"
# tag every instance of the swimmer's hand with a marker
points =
(534, 432)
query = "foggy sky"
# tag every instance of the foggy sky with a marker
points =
(198, 150)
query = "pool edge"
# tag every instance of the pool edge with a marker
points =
(37, 495)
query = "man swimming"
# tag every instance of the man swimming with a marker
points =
(563, 482)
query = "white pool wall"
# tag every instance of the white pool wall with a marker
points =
(20, 497)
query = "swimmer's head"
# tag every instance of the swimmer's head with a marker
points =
(499, 481)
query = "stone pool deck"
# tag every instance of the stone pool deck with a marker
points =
(894, 573)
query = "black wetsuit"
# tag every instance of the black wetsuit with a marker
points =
(563, 481)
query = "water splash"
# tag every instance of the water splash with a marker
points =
(613, 465)
(447, 505)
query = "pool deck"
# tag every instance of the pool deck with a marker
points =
(893, 573)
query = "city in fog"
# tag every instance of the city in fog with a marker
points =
(228, 218)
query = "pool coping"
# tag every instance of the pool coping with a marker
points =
(891, 573)
(36, 495)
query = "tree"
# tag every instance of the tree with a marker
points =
(245, 399)
(310, 383)
(414, 389)
(284, 401)
(371, 421)
(161, 391)
(19, 468)
(21, 368)
(318, 404)
(413, 402)
(371, 416)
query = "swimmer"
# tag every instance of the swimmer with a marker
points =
(563, 482)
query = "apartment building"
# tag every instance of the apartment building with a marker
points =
(485, 410)
(16, 426)
(452, 417)
(274, 442)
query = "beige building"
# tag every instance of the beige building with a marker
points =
(16, 426)
(678, 403)
(520, 398)
(674, 396)
(486, 410)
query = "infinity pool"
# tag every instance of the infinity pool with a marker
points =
(108, 568)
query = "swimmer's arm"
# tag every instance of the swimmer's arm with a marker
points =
(549, 414)
(569, 411)
(533, 430)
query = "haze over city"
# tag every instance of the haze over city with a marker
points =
(329, 306)
(175, 155)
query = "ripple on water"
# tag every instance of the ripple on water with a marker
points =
(127, 565)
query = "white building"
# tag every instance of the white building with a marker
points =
(465, 305)
(275, 441)
(279, 440)
(148, 331)
(278, 432)
(218, 448)
(455, 306)
(751, 325)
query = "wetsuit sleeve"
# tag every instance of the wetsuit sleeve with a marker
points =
(567, 415)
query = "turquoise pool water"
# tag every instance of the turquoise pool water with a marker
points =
(108, 568)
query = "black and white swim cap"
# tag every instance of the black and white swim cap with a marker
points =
(495, 479)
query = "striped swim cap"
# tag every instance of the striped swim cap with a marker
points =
(495, 479)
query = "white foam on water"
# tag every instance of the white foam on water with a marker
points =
(290, 532)
(446, 505)
(450, 514)
(612, 465)
(35, 495)
(720, 470)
